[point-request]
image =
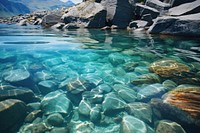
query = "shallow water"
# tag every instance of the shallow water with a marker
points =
(100, 57)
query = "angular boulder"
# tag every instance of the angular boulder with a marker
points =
(187, 25)
(131, 124)
(157, 4)
(12, 113)
(141, 10)
(166, 126)
(178, 2)
(47, 86)
(51, 19)
(119, 12)
(185, 9)
(56, 102)
(26, 95)
(89, 14)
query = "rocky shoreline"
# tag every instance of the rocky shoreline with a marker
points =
(154, 16)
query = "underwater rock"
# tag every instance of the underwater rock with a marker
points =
(126, 93)
(83, 127)
(35, 128)
(6, 57)
(56, 102)
(52, 62)
(59, 130)
(35, 67)
(130, 66)
(95, 114)
(151, 91)
(34, 106)
(167, 68)
(47, 86)
(33, 115)
(112, 103)
(93, 96)
(149, 78)
(23, 94)
(186, 99)
(116, 59)
(131, 124)
(77, 85)
(42, 75)
(93, 78)
(84, 108)
(166, 126)
(141, 70)
(169, 85)
(12, 114)
(105, 88)
(18, 77)
(142, 111)
(55, 119)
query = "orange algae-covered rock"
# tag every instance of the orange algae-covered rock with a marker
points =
(167, 68)
(185, 98)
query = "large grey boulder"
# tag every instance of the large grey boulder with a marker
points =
(119, 12)
(187, 25)
(141, 10)
(157, 4)
(89, 14)
(177, 2)
(12, 113)
(185, 9)
(51, 19)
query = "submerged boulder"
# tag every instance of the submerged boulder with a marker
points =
(187, 25)
(181, 105)
(167, 68)
(166, 126)
(89, 14)
(12, 113)
(131, 124)
(56, 102)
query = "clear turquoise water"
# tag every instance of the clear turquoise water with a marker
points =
(98, 56)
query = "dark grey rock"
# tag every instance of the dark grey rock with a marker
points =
(88, 14)
(166, 126)
(34, 106)
(84, 108)
(112, 103)
(131, 124)
(18, 77)
(151, 91)
(58, 26)
(95, 114)
(178, 2)
(142, 111)
(93, 96)
(126, 93)
(141, 10)
(148, 18)
(12, 113)
(33, 115)
(56, 102)
(23, 94)
(119, 12)
(47, 86)
(55, 119)
(187, 25)
(160, 6)
(185, 9)
(40, 127)
(71, 26)
(59, 130)
(51, 19)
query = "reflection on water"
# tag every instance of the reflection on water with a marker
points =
(87, 80)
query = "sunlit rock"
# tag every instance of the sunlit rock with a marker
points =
(142, 111)
(35, 128)
(149, 78)
(93, 96)
(167, 68)
(33, 115)
(125, 92)
(131, 124)
(12, 113)
(151, 91)
(84, 108)
(56, 102)
(95, 114)
(47, 86)
(105, 88)
(166, 126)
(112, 103)
(18, 77)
